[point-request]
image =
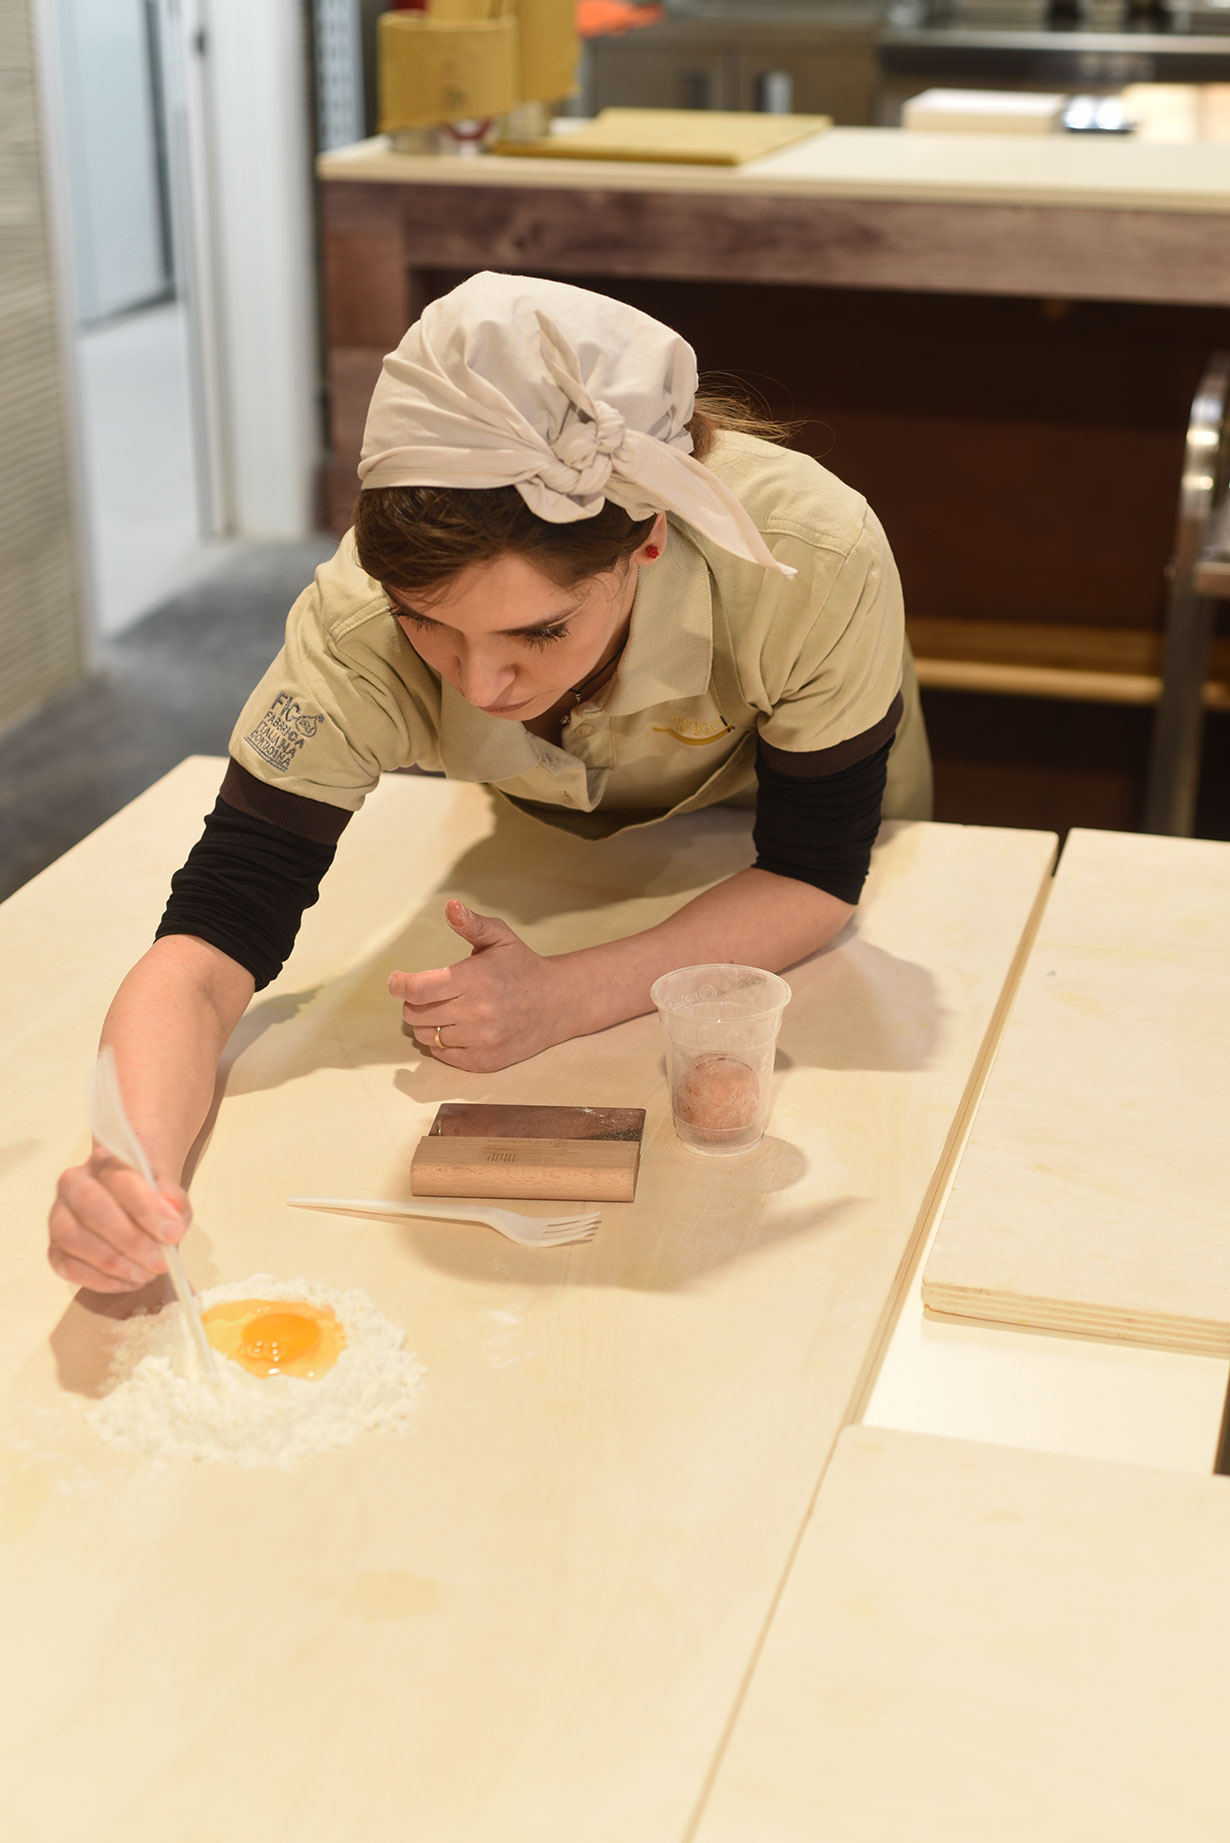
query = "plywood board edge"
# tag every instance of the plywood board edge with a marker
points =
(971, 1306)
(958, 1137)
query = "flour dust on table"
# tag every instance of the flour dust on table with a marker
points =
(255, 1413)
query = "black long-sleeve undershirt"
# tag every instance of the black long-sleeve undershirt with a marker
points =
(244, 889)
(250, 877)
(820, 829)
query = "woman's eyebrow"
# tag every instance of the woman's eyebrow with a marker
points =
(548, 620)
(513, 633)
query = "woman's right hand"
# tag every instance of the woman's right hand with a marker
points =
(108, 1228)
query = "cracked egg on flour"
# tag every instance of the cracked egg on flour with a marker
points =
(276, 1337)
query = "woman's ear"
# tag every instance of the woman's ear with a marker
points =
(654, 544)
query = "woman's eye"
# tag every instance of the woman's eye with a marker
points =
(541, 636)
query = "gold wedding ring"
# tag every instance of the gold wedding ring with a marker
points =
(439, 1038)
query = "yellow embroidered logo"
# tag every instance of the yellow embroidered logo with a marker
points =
(693, 732)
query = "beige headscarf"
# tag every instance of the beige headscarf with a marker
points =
(569, 396)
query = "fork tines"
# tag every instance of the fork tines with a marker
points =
(570, 1228)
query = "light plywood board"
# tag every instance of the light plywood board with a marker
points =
(1092, 1195)
(980, 1643)
(530, 1615)
(691, 137)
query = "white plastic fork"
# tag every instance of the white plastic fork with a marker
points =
(113, 1129)
(530, 1231)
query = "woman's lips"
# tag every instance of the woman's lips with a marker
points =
(505, 710)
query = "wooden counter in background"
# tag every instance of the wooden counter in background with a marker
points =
(995, 338)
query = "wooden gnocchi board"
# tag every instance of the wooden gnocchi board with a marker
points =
(977, 1642)
(1092, 1196)
(532, 1614)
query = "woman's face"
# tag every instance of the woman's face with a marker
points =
(512, 642)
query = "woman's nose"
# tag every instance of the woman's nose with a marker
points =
(484, 681)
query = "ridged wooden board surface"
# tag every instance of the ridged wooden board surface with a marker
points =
(980, 1643)
(1092, 1196)
(532, 1614)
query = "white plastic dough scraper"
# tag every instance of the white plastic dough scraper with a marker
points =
(112, 1129)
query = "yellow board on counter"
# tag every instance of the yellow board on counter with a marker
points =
(700, 137)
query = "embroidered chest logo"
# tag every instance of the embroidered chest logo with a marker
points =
(283, 730)
(694, 732)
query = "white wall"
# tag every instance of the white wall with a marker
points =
(111, 137)
(263, 281)
(241, 182)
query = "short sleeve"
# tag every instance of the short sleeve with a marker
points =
(347, 698)
(832, 656)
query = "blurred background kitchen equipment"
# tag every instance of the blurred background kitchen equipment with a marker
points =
(468, 61)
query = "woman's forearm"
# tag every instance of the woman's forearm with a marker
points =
(754, 918)
(168, 1024)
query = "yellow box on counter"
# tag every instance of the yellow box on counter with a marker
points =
(468, 59)
(458, 62)
(546, 31)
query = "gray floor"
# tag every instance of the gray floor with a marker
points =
(169, 686)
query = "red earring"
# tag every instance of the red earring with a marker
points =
(652, 553)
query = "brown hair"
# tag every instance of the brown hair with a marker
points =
(418, 538)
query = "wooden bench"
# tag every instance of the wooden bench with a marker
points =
(1183, 669)
(1103, 665)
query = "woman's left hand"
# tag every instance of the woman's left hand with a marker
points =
(502, 1004)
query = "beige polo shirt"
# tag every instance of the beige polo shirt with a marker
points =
(718, 650)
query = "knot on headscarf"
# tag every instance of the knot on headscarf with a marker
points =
(582, 454)
(571, 397)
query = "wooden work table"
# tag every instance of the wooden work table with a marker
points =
(533, 1613)
(579, 1596)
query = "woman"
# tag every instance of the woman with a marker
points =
(568, 580)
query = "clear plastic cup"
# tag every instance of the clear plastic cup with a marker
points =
(721, 1025)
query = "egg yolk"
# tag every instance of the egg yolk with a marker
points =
(277, 1338)
(272, 1337)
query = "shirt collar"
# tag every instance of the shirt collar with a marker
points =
(670, 642)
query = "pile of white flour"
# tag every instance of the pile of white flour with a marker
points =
(160, 1403)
